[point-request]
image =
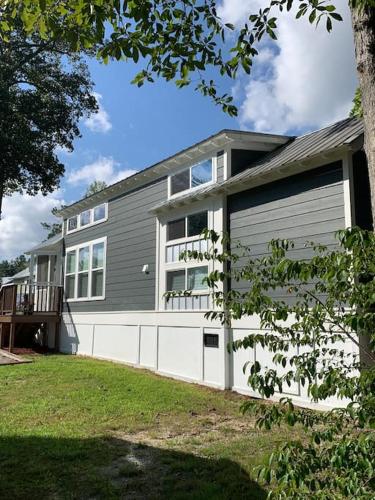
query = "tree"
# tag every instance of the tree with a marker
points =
(11, 267)
(44, 92)
(95, 187)
(180, 40)
(53, 228)
(332, 302)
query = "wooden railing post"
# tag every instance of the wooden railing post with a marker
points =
(14, 299)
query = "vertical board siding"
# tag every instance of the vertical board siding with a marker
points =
(220, 166)
(131, 243)
(305, 207)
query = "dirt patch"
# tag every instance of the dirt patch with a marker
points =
(200, 425)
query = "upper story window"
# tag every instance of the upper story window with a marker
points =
(88, 218)
(85, 271)
(192, 225)
(191, 178)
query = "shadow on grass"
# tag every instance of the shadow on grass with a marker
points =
(46, 467)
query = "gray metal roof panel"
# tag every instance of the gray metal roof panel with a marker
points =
(304, 147)
(45, 244)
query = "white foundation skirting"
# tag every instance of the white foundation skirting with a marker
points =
(172, 344)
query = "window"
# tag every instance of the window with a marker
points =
(84, 271)
(196, 223)
(176, 280)
(193, 177)
(201, 173)
(180, 182)
(99, 212)
(187, 279)
(179, 236)
(72, 223)
(85, 218)
(88, 218)
(176, 229)
(195, 277)
(192, 225)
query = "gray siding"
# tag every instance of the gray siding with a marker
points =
(306, 207)
(131, 243)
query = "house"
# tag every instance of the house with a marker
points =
(119, 252)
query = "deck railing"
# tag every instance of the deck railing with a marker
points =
(30, 299)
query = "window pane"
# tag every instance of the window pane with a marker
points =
(85, 218)
(196, 223)
(201, 173)
(180, 182)
(99, 213)
(176, 280)
(69, 287)
(83, 260)
(97, 283)
(176, 229)
(98, 255)
(71, 262)
(195, 277)
(72, 223)
(83, 281)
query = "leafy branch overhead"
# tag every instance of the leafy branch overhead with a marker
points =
(176, 40)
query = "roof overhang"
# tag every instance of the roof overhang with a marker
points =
(197, 152)
(233, 185)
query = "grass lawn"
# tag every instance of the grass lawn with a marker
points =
(72, 427)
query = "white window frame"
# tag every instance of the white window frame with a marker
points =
(192, 189)
(91, 223)
(214, 217)
(90, 270)
(188, 265)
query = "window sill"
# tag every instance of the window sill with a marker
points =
(190, 190)
(85, 299)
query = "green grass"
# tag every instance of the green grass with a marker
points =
(72, 427)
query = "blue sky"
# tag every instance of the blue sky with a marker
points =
(147, 123)
(302, 82)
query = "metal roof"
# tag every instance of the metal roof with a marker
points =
(305, 147)
(48, 244)
(297, 150)
(25, 273)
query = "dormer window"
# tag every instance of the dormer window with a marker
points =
(192, 177)
(85, 218)
(88, 218)
(72, 223)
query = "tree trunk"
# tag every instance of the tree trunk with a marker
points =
(2, 181)
(363, 20)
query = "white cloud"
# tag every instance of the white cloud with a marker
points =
(308, 82)
(20, 227)
(103, 168)
(100, 121)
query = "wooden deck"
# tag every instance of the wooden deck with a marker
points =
(27, 309)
